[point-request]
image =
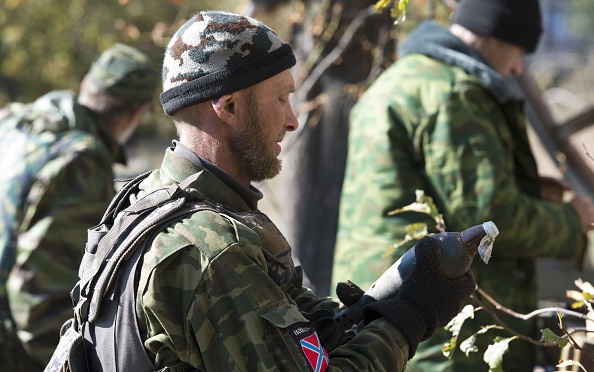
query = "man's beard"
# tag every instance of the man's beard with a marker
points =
(250, 148)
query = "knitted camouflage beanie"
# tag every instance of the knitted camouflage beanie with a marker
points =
(125, 72)
(217, 53)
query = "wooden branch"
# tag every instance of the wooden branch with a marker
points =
(507, 328)
(532, 314)
(556, 140)
(587, 153)
(574, 343)
(502, 308)
(344, 41)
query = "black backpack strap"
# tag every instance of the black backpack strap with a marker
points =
(157, 209)
(122, 196)
(104, 297)
(96, 233)
(114, 322)
(116, 325)
(149, 202)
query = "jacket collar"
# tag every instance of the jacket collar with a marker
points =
(178, 167)
(434, 41)
(67, 114)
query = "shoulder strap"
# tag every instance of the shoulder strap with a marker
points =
(122, 196)
(122, 232)
(104, 313)
(105, 297)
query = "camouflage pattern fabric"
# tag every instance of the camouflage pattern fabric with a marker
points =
(429, 125)
(222, 294)
(126, 73)
(55, 182)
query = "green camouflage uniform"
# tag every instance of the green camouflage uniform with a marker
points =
(441, 120)
(56, 180)
(222, 293)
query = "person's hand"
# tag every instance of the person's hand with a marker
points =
(585, 209)
(553, 189)
(426, 300)
(348, 292)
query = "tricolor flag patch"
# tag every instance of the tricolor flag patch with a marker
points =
(314, 352)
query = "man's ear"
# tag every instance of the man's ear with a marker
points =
(225, 109)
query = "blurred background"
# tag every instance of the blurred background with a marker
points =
(341, 47)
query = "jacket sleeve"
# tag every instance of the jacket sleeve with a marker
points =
(212, 305)
(69, 196)
(308, 301)
(478, 159)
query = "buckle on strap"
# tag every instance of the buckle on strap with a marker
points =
(81, 313)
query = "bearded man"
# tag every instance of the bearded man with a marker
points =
(216, 289)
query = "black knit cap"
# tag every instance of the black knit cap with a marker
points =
(518, 22)
(216, 53)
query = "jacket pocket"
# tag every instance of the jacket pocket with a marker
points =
(292, 343)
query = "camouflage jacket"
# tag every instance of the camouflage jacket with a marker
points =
(222, 293)
(56, 180)
(441, 120)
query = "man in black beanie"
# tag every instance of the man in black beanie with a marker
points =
(442, 119)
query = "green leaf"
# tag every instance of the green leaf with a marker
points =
(454, 326)
(395, 246)
(550, 337)
(414, 207)
(456, 323)
(381, 4)
(417, 230)
(584, 286)
(577, 305)
(467, 346)
(573, 295)
(423, 204)
(398, 11)
(494, 354)
(578, 296)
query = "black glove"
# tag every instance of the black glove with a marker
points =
(348, 292)
(426, 300)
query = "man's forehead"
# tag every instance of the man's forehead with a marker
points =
(282, 82)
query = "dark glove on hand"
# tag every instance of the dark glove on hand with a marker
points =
(426, 300)
(348, 292)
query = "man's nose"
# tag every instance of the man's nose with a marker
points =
(291, 123)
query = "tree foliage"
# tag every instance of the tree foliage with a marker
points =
(50, 44)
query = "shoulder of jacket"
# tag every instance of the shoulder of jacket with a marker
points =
(210, 230)
(75, 151)
(448, 81)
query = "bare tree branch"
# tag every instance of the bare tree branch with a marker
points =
(502, 308)
(534, 313)
(331, 57)
(507, 328)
